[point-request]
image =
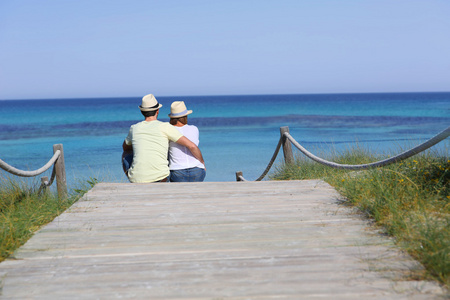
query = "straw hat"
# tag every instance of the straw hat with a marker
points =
(149, 103)
(178, 109)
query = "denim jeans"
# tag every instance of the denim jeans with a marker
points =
(187, 175)
(127, 160)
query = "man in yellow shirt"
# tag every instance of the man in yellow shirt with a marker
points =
(147, 145)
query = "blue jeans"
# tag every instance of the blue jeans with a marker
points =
(127, 160)
(187, 175)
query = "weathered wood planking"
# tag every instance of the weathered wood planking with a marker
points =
(226, 240)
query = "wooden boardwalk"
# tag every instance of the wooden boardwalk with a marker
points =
(226, 240)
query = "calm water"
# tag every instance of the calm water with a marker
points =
(237, 133)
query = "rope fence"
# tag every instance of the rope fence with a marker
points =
(286, 140)
(58, 172)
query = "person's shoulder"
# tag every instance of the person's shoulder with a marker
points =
(166, 124)
(137, 124)
(192, 128)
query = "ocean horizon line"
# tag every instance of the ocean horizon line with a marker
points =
(227, 95)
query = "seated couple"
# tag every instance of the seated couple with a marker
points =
(156, 151)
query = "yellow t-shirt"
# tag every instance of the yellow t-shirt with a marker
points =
(150, 141)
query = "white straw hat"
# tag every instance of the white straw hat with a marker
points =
(149, 103)
(178, 109)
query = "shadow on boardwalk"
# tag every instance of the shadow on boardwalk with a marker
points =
(225, 240)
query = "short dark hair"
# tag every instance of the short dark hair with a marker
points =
(149, 113)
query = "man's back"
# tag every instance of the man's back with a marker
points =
(150, 142)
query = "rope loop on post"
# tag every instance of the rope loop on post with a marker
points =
(17, 172)
(52, 178)
(240, 177)
(402, 156)
(57, 161)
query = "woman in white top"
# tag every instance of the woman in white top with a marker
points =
(184, 167)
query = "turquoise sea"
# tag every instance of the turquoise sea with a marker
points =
(237, 133)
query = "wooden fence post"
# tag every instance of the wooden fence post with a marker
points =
(287, 147)
(60, 169)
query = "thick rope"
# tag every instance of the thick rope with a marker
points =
(272, 160)
(22, 173)
(431, 142)
(52, 178)
(404, 155)
(45, 184)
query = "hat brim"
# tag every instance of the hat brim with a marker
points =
(150, 108)
(180, 116)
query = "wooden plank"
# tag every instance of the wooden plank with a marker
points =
(224, 240)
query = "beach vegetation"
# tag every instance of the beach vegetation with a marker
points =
(409, 200)
(24, 208)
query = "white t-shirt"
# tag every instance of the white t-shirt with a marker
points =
(181, 157)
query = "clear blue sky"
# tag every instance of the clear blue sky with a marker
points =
(112, 48)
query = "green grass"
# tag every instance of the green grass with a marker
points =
(23, 210)
(409, 199)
